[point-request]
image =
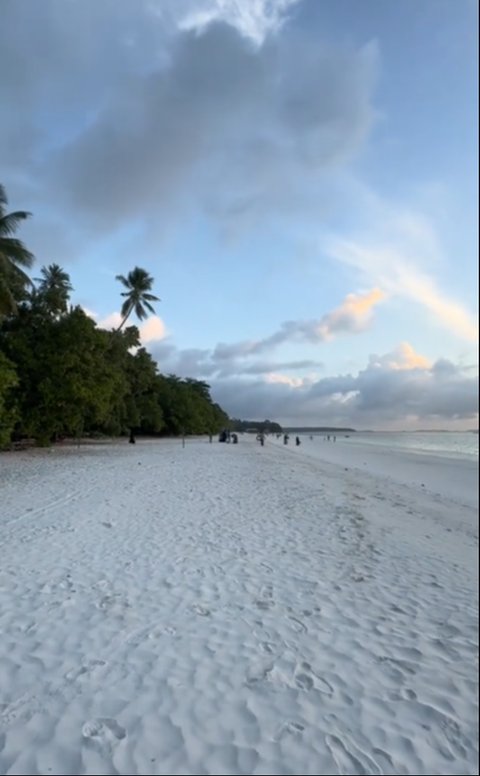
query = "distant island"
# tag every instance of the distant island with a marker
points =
(320, 429)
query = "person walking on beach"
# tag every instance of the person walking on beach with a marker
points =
(132, 437)
(285, 439)
(297, 441)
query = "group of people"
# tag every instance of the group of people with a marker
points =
(228, 436)
(286, 438)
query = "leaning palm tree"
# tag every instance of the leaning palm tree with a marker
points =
(54, 289)
(137, 297)
(13, 257)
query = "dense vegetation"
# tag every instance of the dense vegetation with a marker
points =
(62, 376)
(260, 426)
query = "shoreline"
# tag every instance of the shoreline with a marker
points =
(450, 477)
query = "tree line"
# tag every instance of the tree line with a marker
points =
(62, 376)
(259, 426)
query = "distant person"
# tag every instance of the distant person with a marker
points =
(285, 439)
(297, 441)
(234, 439)
(132, 437)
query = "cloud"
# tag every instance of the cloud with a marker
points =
(395, 256)
(255, 19)
(353, 316)
(137, 119)
(388, 393)
(276, 378)
(151, 330)
(264, 367)
(398, 389)
(402, 357)
(111, 321)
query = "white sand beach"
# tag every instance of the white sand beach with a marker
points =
(237, 609)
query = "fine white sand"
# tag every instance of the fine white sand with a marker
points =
(233, 609)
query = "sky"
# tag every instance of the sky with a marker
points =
(299, 177)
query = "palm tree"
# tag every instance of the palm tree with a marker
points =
(13, 257)
(54, 289)
(137, 297)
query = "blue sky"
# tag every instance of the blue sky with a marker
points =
(300, 178)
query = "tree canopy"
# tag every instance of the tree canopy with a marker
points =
(63, 376)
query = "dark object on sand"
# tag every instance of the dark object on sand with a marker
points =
(297, 441)
(235, 439)
(132, 438)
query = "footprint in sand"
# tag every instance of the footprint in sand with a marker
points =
(202, 611)
(297, 625)
(258, 672)
(306, 679)
(348, 757)
(103, 734)
(289, 728)
(264, 604)
(75, 673)
(268, 647)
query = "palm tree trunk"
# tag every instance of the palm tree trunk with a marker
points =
(124, 319)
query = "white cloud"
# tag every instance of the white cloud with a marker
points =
(403, 356)
(255, 19)
(276, 378)
(398, 270)
(152, 330)
(111, 321)
(352, 316)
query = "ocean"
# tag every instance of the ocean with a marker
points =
(451, 444)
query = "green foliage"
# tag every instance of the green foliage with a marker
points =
(8, 412)
(14, 258)
(66, 381)
(53, 291)
(61, 376)
(260, 426)
(64, 377)
(137, 296)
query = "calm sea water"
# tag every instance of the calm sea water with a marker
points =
(451, 444)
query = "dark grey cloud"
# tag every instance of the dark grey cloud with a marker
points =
(203, 363)
(282, 366)
(387, 391)
(120, 118)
